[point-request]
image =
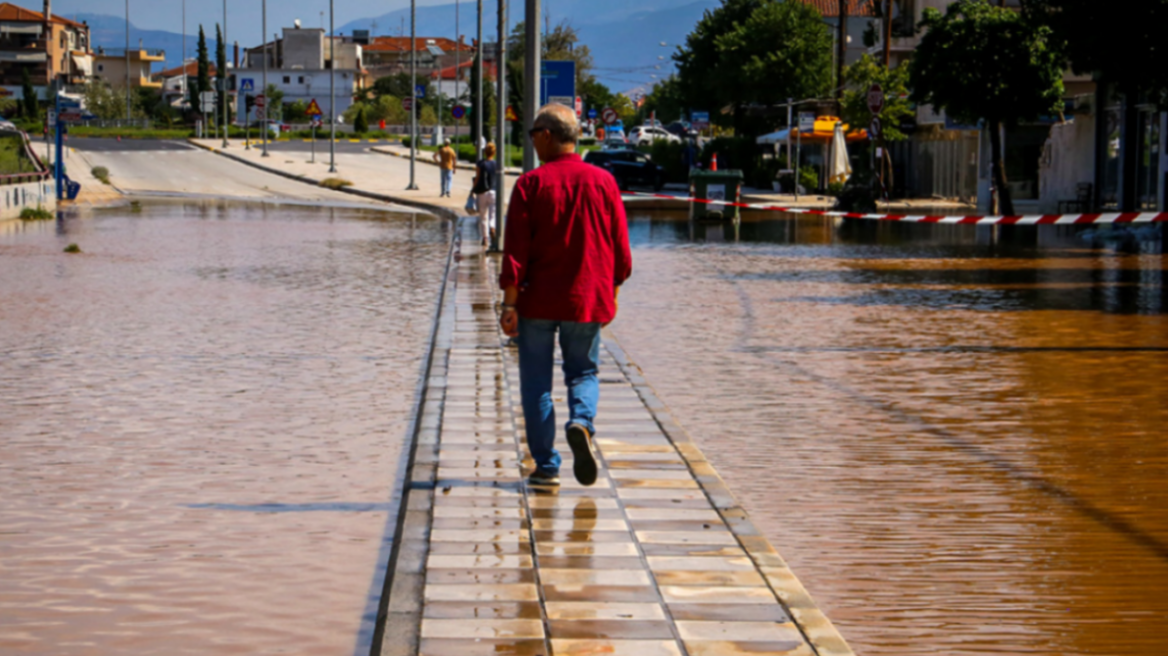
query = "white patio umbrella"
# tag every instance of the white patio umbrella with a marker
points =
(839, 168)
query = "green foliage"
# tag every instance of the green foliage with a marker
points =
(666, 99)
(72, 248)
(203, 76)
(101, 100)
(275, 102)
(488, 102)
(335, 183)
(296, 112)
(669, 156)
(14, 156)
(220, 75)
(37, 213)
(754, 52)
(360, 120)
(29, 106)
(860, 77)
(624, 108)
(101, 173)
(809, 177)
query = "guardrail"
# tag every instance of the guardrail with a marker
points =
(42, 173)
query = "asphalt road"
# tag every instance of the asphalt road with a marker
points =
(148, 145)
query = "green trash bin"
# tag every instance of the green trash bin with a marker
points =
(714, 185)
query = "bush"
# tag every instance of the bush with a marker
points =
(72, 248)
(809, 178)
(835, 189)
(858, 194)
(335, 183)
(37, 213)
(361, 121)
(101, 173)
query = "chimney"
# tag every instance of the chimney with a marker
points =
(48, 20)
(236, 54)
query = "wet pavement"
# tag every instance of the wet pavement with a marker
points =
(954, 436)
(204, 415)
(657, 558)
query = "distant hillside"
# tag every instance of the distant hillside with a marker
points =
(110, 32)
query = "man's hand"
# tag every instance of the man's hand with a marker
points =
(509, 322)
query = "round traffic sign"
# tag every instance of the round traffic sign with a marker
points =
(592, 113)
(261, 101)
(875, 99)
(407, 103)
(458, 111)
(609, 115)
(875, 129)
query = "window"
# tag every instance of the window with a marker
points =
(100, 68)
(287, 79)
(300, 80)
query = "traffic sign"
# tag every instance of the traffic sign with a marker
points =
(207, 101)
(875, 99)
(609, 116)
(579, 106)
(806, 122)
(313, 109)
(246, 84)
(260, 113)
(458, 111)
(592, 113)
(261, 101)
(875, 129)
(701, 120)
(511, 115)
(407, 104)
(420, 91)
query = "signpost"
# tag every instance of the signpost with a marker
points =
(246, 84)
(875, 99)
(458, 111)
(609, 116)
(314, 111)
(876, 130)
(592, 114)
(420, 91)
(806, 124)
(557, 82)
(407, 104)
(206, 105)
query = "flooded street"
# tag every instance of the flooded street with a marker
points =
(954, 436)
(203, 419)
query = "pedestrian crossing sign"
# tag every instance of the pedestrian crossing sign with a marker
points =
(313, 109)
(247, 84)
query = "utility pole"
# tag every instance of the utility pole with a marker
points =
(332, 93)
(223, 91)
(888, 34)
(413, 92)
(478, 109)
(128, 103)
(264, 91)
(841, 53)
(531, 78)
(183, 60)
(501, 158)
(457, 63)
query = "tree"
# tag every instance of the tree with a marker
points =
(203, 76)
(488, 100)
(755, 52)
(666, 98)
(274, 99)
(103, 102)
(595, 95)
(860, 77)
(29, 105)
(360, 120)
(980, 62)
(624, 108)
(400, 85)
(220, 75)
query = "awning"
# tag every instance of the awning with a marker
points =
(822, 134)
(83, 63)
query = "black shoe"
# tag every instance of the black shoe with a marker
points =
(540, 477)
(584, 461)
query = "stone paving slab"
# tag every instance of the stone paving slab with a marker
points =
(656, 558)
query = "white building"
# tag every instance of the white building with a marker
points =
(300, 67)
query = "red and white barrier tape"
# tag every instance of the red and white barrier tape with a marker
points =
(1033, 219)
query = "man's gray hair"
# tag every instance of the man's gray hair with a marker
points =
(560, 121)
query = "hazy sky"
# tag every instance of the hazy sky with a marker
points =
(243, 15)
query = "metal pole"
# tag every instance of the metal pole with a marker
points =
(501, 158)
(223, 91)
(332, 94)
(478, 109)
(531, 78)
(457, 63)
(264, 92)
(413, 92)
(790, 126)
(128, 103)
(183, 60)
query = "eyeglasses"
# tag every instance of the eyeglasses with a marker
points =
(534, 131)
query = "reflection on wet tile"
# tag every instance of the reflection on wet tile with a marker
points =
(615, 648)
(479, 576)
(592, 610)
(624, 577)
(528, 610)
(742, 648)
(638, 483)
(462, 647)
(718, 537)
(484, 535)
(728, 612)
(652, 474)
(657, 549)
(479, 523)
(481, 628)
(610, 629)
(483, 548)
(592, 562)
(651, 493)
(580, 524)
(478, 561)
(700, 564)
(447, 511)
(500, 592)
(634, 593)
(586, 549)
(583, 536)
(675, 514)
(738, 631)
(717, 594)
(570, 503)
(684, 577)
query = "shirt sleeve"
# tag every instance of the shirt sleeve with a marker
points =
(516, 238)
(622, 254)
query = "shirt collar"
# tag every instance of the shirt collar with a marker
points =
(566, 157)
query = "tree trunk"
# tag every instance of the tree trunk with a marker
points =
(1129, 152)
(1004, 203)
(842, 53)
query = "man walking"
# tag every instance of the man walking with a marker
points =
(446, 158)
(566, 252)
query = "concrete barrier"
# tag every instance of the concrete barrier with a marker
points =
(14, 197)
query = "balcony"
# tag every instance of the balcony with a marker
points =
(139, 54)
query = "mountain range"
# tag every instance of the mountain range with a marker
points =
(625, 38)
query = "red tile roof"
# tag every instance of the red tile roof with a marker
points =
(831, 8)
(14, 14)
(192, 70)
(448, 72)
(402, 44)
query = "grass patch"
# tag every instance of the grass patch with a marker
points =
(37, 213)
(335, 183)
(101, 173)
(13, 157)
(72, 248)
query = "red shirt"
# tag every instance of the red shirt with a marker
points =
(566, 245)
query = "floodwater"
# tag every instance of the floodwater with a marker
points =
(956, 436)
(202, 419)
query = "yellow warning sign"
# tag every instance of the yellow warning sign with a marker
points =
(313, 109)
(511, 115)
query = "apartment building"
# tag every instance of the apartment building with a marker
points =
(54, 50)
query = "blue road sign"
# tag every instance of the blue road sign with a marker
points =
(557, 82)
(458, 111)
(420, 91)
(246, 84)
(592, 113)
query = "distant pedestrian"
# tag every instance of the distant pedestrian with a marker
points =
(566, 253)
(484, 190)
(446, 158)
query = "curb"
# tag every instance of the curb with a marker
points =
(437, 210)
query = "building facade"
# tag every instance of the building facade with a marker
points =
(301, 66)
(110, 65)
(53, 50)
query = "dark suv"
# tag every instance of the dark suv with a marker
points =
(629, 167)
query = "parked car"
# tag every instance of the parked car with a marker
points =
(616, 143)
(682, 130)
(8, 125)
(644, 135)
(629, 167)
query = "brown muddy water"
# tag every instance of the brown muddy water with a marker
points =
(955, 436)
(202, 418)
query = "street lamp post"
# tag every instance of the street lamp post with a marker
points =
(413, 92)
(332, 94)
(128, 103)
(500, 127)
(532, 75)
(223, 91)
(264, 81)
(478, 109)
(457, 62)
(183, 60)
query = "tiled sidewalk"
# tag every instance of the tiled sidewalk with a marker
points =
(655, 559)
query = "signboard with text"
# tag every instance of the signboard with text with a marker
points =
(557, 81)
(701, 120)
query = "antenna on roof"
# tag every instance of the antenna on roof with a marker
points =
(296, 23)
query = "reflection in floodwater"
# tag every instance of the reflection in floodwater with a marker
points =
(953, 433)
(203, 414)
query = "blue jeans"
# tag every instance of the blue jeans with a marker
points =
(447, 180)
(580, 344)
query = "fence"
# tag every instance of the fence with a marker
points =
(938, 169)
